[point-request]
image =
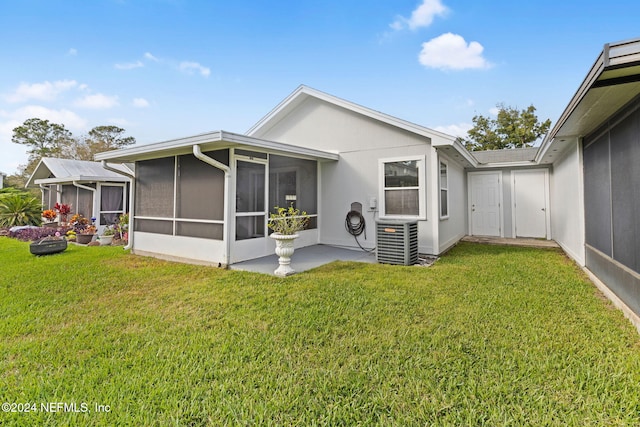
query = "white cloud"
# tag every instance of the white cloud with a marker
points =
(72, 52)
(140, 103)
(62, 116)
(150, 57)
(129, 65)
(422, 16)
(494, 111)
(97, 101)
(191, 67)
(45, 91)
(451, 52)
(459, 129)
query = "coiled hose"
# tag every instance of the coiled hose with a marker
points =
(356, 225)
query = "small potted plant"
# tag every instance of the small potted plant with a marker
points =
(286, 223)
(84, 229)
(106, 238)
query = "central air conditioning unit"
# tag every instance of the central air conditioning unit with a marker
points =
(397, 242)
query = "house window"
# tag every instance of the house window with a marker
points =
(403, 188)
(444, 190)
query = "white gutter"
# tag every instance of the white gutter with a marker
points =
(132, 192)
(227, 175)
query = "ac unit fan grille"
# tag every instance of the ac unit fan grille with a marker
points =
(397, 242)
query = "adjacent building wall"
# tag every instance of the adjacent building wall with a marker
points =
(567, 204)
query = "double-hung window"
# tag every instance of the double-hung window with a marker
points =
(444, 189)
(402, 185)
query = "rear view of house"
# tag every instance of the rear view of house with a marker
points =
(207, 198)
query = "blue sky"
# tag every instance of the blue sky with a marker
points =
(165, 69)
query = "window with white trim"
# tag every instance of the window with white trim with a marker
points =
(444, 189)
(403, 188)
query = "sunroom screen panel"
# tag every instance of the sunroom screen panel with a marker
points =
(201, 187)
(154, 187)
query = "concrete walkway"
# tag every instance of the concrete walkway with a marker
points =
(531, 243)
(305, 259)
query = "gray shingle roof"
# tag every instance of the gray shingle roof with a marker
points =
(506, 156)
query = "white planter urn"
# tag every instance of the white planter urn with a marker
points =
(106, 240)
(284, 249)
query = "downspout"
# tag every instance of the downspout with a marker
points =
(132, 192)
(197, 152)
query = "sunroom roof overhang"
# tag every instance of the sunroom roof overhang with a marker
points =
(612, 82)
(212, 141)
(81, 179)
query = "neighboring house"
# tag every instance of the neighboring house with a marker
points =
(207, 198)
(87, 187)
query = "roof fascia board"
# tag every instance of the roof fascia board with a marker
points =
(460, 149)
(212, 137)
(159, 146)
(507, 164)
(28, 184)
(595, 72)
(613, 56)
(278, 146)
(80, 178)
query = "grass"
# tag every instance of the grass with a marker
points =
(487, 336)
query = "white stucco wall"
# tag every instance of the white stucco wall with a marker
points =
(567, 203)
(361, 142)
(454, 228)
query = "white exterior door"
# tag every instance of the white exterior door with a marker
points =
(530, 203)
(485, 203)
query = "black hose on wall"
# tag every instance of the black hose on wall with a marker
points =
(356, 225)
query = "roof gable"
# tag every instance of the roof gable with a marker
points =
(302, 93)
(72, 170)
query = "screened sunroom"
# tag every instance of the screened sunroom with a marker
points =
(208, 198)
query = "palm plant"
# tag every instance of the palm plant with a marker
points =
(19, 209)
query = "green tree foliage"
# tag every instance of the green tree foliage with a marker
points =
(19, 208)
(44, 138)
(99, 139)
(512, 128)
(47, 139)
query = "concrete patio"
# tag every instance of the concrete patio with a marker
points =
(306, 258)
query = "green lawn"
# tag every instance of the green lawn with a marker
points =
(487, 336)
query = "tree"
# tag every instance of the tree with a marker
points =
(46, 139)
(99, 139)
(510, 129)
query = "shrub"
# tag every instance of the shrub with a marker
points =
(19, 208)
(36, 233)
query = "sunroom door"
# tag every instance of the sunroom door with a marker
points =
(251, 209)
